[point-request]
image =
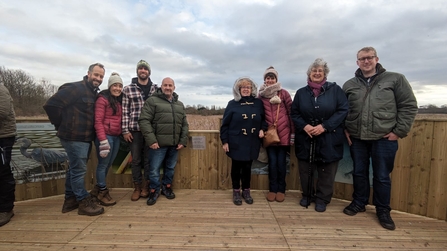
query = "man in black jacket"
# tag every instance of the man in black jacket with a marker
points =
(71, 110)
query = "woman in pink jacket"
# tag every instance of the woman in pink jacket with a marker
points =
(277, 101)
(108, 130)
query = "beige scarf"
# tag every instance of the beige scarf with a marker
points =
(271, 92)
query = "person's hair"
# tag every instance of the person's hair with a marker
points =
(244, 81)
(368, 49)
(270, 75)
(317, 63)
(113, 101)
(90, 68)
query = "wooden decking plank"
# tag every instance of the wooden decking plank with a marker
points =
(208, 220)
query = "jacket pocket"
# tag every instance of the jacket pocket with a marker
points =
(352, 123)
(383, 122)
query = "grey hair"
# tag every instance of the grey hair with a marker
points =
(317, 63)
(90, 68)
(237, 86)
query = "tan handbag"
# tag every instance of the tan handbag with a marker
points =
(271, 135)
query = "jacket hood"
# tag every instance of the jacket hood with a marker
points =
(237, 83)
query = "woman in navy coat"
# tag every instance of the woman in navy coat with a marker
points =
(318, 112)
(241, 133)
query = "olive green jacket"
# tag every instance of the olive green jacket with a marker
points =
(164, 122)
(7, 115)
(386, 105)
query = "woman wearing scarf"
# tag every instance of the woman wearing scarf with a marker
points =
(277, 104)
(318, 112)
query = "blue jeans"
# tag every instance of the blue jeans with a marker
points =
(77, 152)
(382, 153)
(277, 168)
(157, 157)
(138, 149)
(105, 163)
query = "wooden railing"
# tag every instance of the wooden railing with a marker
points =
(419, 179)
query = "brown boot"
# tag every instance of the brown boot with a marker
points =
(89, 207)
(105, 199)
(95, 191)
(70, 204)
(145, 189)
(280, 197)
(271, 196)
(137, 192)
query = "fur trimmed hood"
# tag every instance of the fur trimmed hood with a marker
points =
(237, 84)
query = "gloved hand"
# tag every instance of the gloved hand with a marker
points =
(104, 148)
(292, 138)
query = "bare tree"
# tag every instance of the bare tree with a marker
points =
(28, 95)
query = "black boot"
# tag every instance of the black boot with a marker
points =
(237, 197)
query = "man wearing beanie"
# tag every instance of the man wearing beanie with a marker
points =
(134, 96)
(72, 112)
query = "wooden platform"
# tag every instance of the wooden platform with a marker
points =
(208, 220)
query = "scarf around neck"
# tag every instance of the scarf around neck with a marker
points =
(316, 87)
(271, 92)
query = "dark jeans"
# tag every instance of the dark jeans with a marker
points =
(382, 153)
(139, 150)
(164, 156)
(277, 168)
(241, 173)
(325, 180)
(7, 182)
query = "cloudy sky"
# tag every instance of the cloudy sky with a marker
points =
(206, 45)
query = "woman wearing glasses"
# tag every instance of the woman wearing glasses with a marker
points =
(241, 133)
(318, 112)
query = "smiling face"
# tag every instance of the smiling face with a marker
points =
(168, 87)
(367, 61)
(245, 89)
(317, 74)
(116, 89)
(143, 73)
(95, 76)
(270, 79)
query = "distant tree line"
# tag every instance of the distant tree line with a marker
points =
(28, 94)
(433, 109)
(204, 110)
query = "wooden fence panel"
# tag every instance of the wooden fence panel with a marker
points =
(418, 181)
(437, 200)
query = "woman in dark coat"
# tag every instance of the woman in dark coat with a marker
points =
(318, 112)
(241, 133)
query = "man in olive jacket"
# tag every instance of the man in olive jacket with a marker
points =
(7, 138)
(165, 130)
(382, 108)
